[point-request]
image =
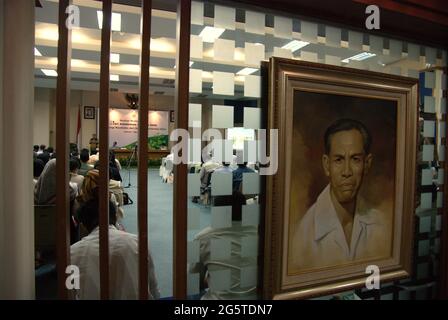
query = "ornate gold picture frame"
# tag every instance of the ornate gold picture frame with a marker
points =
(343, 196)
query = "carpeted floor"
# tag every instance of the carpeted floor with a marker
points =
(160, 223)
(160, 231)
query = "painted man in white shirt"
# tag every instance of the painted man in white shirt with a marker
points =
(339, 228)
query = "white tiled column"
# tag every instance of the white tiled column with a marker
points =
(16, 126)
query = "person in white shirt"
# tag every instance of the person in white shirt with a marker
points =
(74, 176)
(123, 259)
(340, 227)
(224, 169)
(42, 147)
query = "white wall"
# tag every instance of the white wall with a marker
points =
(75, 107)
(88, 126)
(43, 98)
(45, 113)
(53, 119)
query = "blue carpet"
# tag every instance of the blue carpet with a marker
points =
(160, 223)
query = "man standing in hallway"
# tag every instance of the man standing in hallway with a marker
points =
(93, 143)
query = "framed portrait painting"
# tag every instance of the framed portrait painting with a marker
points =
(342, 201)
(89, 112)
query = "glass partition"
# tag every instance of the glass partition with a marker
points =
(124, 102)
(228, 44)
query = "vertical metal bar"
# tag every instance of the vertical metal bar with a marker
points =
(142, 192)
(443, 266)
(180, 170)
(62, 129)
(104, 149)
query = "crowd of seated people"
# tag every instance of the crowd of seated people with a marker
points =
(210, 166)
(83, 213)
(85, 167)
(123, 257)
(44, 180)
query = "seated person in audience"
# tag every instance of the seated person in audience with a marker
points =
(238, 175)
(85, 167)
(207, 168)
(94, 157)
(167, 170)
(45, 194)
(41, 148)
(45, 190)
(123, 258)
(114, 160)
(44, 156)
(114, 174)
(38, 167)
(90, 187)
(35, 150)
(50, 151)
(74, 176)
(207, 264)
(235, 157)
(224, 169)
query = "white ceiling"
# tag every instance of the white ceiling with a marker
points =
(87, 49)
(87, 39)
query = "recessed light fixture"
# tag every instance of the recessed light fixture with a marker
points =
(191, 63)
(246, 71)
(114, 77)
(115, 58)
(50, 72)
(295, 45)
(37, 53)
(210, 34)
(116, 20)
(360, 57)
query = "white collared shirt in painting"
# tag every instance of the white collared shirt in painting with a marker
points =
(320, 241)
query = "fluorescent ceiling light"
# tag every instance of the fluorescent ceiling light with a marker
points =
(50, 73)
(37, 53)
(360, 57)
(191, 63)
(246, 71)
(295, 45)
(210, 34)
(115, 57)
(116, 20)
(114, 77)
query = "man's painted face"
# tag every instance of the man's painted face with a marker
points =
(346, 164)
